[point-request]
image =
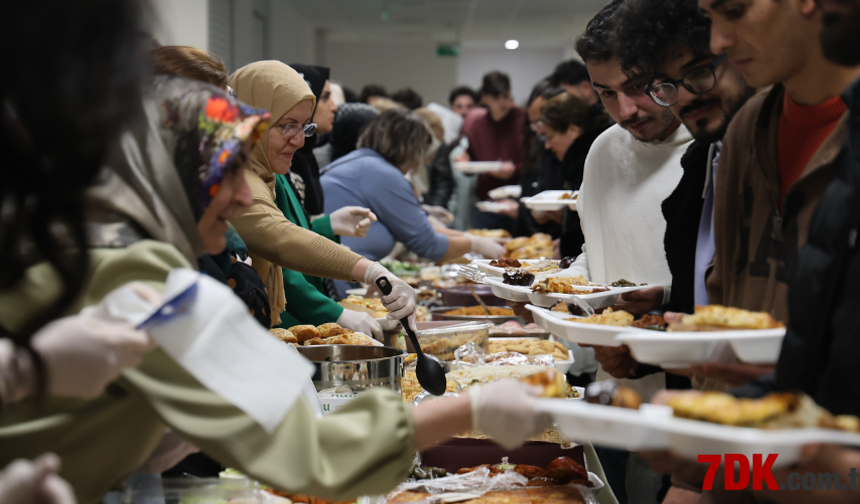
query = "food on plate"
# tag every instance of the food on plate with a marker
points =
(518, 277)
(566, 285)
(561, 307)
(774, 411)
(326, 334)
(551, 381)
(566, 262)
(623, 283)
(515, 329)
(652, 322)
(530, 347)
(305, 332)
(609, 317)
(373, 306)
(567, 196)
(609, 393)
(537, 245)
(723, 318)
(331, 329)
(349, 338)
(285, 335)
(505, 262)
(490, 233)
(478, 311)
(558, 494)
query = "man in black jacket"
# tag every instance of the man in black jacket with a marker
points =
(822, 346)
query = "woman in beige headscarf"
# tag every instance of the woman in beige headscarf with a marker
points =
(273, 241)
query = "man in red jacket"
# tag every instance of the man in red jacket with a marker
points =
(495, 133)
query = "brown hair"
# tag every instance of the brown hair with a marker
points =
(399, 136)
(191, 63)
(566, 109)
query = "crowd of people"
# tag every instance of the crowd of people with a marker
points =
(712, 144)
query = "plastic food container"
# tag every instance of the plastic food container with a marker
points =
(443, 341)
(148, 490)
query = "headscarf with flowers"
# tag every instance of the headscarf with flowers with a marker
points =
(164, 170)
(205, 130)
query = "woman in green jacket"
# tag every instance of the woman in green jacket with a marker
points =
(149, 218)
(306, 298)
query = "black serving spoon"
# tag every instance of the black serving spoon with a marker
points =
(430, 374)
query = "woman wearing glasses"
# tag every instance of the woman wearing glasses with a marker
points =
(281, 248)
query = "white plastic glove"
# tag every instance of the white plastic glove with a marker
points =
(360, 322)
(83, 354)
(171, 450)
(26, 482)
(487, 247)
(440, 213)
(401, 302)
(506, 411)
(352, 221)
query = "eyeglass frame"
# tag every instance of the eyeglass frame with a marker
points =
(308, 129)
(674, 83)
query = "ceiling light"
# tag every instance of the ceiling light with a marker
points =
(512, 44)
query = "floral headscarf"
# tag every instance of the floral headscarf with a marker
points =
(205, 129)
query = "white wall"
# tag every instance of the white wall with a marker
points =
(526, 66)
(181, 22)
(394, 64)
(293, 38)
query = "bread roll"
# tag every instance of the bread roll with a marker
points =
(284, 335)
(331, 329)
(305, 332)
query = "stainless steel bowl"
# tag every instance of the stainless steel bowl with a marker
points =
(356, 366)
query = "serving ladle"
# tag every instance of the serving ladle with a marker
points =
(430, 374)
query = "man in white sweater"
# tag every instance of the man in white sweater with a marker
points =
(631, 168)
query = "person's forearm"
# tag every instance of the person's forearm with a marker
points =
(451, 232)
(439, 420)
(360, 268)
(458, 246)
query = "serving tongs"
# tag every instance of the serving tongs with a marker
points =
(430, 374)
(479, 300)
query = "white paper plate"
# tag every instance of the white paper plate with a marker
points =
(758, 347)
(672, 350)
(484, 266)
(491, 206)
(357, 292)
(509, 292)
(596, 301)
(564, 365)
(478, 166)
(609, 425)
(508, 191)
(682, 349)
(690, 438)
(586, 334)
(548, 201)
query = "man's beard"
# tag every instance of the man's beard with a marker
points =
(717, 134)
(840, 37)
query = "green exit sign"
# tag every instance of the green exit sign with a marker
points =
(448, 50)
